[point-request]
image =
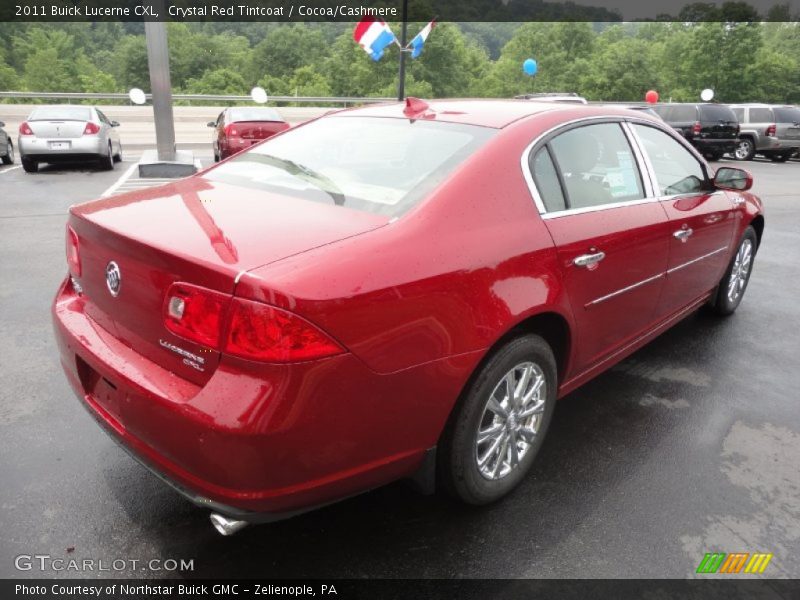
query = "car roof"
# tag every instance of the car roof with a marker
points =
(485, 113)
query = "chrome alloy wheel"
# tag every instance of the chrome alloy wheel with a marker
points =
(743, 149)
(740, 270)
(510, 421)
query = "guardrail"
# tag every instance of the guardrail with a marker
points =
(314, 100)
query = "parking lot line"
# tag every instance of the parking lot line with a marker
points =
(123, 178)
(10, 169)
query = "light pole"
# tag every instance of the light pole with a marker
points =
(401, 86)
(155, 33)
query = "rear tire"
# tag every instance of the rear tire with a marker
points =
(492, 437)
(745, 149)
(8, 159)
(118, 155)
(780, 157)
(107, 161)
(30, 166)
(733, 284)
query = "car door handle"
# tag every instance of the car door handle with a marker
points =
(585, 260)
(683, 234)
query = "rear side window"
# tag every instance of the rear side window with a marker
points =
(596, 165)
(677, 171)
(760, 115)
(546, 178)
(787, 115)
(716, 112)
(378, 165)
(61, 113)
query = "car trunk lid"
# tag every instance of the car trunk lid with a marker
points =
(57, 129)
(257, 130)
(197, 232)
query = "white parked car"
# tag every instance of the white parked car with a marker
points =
(66, 133)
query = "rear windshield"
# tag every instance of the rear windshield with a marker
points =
(253, 114)
(787, 114)
(716, 112)
(61, 113)
(378, 165)
(677, 112)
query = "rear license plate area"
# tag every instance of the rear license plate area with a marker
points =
(59, 145)
(102, 390)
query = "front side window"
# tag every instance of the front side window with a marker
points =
(676, 169)
(596, 165)
(373, 164)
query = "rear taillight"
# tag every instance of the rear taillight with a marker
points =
(91, 129)
(231, 130)
(260, 332)
(25, 129)
(195, 313)
(251, 330)
(73, 252)
(771, 130)
(696, 127)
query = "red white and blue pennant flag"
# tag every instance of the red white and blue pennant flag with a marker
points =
(418, 42)
(373, 36)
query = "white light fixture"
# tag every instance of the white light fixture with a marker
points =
(137, 96)
(259, 95)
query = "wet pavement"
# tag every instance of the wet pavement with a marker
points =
(691, 445)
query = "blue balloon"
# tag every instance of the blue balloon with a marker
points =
(530, 67)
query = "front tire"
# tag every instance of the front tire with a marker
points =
(496, 430)
(780, 157)
(30, 166)
(745, 149)
(734, 283)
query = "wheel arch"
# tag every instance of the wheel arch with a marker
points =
(758, 224)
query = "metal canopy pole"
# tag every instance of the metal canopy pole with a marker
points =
(401, 86)
(160, 84)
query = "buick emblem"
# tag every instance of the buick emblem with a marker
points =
(113, 278)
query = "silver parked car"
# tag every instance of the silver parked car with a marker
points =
(65, 133)
(6, 146)
(767, 129)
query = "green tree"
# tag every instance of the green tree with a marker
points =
(218, 81)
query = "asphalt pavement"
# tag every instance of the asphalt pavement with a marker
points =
(691, 445)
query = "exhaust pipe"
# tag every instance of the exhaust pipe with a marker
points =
(226, 526)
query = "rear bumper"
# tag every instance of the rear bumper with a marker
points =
(42, 148)
(259, 441)
(706, 145)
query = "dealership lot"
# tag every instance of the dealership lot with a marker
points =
(689, 446)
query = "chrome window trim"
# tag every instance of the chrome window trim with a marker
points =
(647, 178)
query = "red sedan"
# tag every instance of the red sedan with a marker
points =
(390, 292)
(237, 129)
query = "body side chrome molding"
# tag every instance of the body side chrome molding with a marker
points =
(623, 290)
(694, 260)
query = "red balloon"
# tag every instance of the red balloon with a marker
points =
(651, 96)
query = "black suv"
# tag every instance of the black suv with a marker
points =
(711, 128)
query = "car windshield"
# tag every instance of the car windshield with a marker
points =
(716, 112)
(378, 165)
(787, 115)
(239, 115)
(61, 113)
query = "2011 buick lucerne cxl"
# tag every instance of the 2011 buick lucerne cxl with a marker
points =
(399, 291)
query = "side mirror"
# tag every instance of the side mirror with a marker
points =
(211, 124)
(729, 178)
(115, 123)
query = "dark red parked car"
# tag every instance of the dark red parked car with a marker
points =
(389, 292)
(239, 128)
